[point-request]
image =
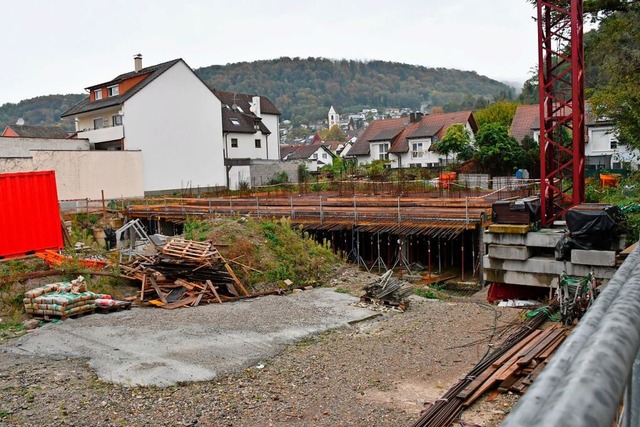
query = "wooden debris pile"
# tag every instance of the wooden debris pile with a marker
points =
(517, 368)
(388, 291)
(185, 273)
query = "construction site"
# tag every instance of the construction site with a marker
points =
(459, 300)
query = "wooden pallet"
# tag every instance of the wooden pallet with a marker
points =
(189, 249)
(121, 305)
(50, 317)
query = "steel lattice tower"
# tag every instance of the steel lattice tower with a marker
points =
(562, 120)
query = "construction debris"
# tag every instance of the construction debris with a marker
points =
(185, 273)
(388, 291)
(514, 364)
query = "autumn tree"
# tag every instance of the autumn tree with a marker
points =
(500, 112)
(334, 133)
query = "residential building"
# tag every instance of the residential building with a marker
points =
(408, 141)
(526, 122)
(251, 139)
(602, 148)
(250, 126)
(315, 156)
(165, 111)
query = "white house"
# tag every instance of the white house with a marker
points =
(408, 141)
(315, 156)
(165, 111)
(251, 139)
(602, 149)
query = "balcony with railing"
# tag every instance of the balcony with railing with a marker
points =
(103, 134)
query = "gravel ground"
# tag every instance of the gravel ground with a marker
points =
(373, 373)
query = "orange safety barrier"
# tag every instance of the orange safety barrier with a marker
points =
(446, 178)
(54, 259)
(610, 180)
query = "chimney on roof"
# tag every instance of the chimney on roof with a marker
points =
(137, 62)
(415, 117)
(255, 106)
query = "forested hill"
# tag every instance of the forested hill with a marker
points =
(304, 89)
(42, 110)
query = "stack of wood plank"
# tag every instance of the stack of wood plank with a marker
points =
(184, 273)
(517, 368)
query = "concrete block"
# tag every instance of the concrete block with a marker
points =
(537, 239)
(546, 265)
(593, 258)
(521, 278)
(510, 252)
(509, 228)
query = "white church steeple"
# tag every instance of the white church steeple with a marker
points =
(334, 118)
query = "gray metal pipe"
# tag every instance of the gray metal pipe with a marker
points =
(584, 381)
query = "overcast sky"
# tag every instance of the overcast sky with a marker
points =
(64, 46)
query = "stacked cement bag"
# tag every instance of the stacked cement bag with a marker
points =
(62, 299)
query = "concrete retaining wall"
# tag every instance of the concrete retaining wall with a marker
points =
(84, 174)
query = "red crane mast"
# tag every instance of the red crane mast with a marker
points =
(562, 118)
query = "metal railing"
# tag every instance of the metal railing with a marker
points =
(598, 366)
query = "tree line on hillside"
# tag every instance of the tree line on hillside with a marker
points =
(304, 89)
(42, 110)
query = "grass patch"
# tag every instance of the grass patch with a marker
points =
(424, 293)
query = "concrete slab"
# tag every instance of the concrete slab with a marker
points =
(537, 239)
(510, 252)
(546, 265)
(509, 228)
(151, 346)
(521, 278)
(593, 258)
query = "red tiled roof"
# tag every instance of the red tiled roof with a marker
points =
(287, 149)
(303, 152)
(434, 125)
(525, 121)
(376, 130)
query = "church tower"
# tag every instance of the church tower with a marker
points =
(334, 118)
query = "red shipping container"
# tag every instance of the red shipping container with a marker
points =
(29, 213)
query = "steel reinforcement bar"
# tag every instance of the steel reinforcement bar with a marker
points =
(584, 382)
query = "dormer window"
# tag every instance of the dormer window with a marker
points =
(113, 91)
(97, 94)
(235, 121)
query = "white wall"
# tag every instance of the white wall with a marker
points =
(599, 144)
(424, 157)
(272, 122)
(239, 174)
(246, 148)
(83, 174)
(21, 147)
(176, 121)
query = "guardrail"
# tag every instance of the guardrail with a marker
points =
(598, 366)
